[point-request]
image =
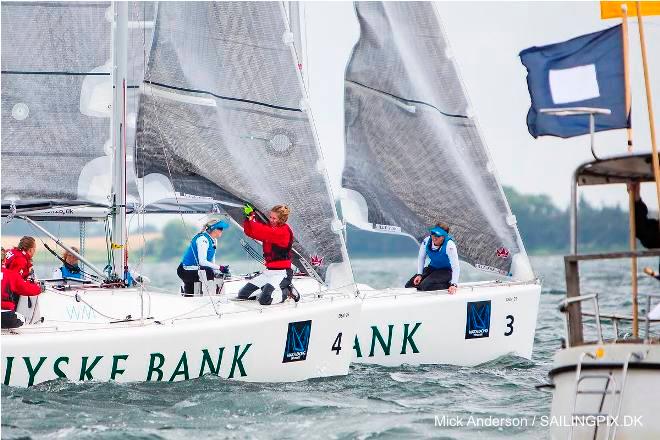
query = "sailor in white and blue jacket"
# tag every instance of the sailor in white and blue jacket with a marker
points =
(443, 269)
(70, 269)
(200, 255)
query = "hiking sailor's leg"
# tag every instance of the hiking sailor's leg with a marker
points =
(189, 278)
(247, 291)
(286, 285)
(438, 279)
(266, 296)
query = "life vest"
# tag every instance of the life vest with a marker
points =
(69, 271)
(9, 299)
(19, 261)
(274, 253)
(190, 257)
(439, 258)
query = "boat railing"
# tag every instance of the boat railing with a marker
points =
(614, 318)
(572, 306)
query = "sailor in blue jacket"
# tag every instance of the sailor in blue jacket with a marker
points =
(443, 269)
(70, 268)
(200, 255)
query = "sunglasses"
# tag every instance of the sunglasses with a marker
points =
(435, 234)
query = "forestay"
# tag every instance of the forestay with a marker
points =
(414, 155)
(222, 118)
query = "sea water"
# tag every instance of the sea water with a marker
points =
(494, 400)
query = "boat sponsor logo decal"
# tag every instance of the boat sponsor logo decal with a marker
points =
(386, 228)
(297, 341)
(181, 195)
(478, 320)
(503, 253)
(316, 261)
(491, 269)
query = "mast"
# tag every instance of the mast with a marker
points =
(119, 73)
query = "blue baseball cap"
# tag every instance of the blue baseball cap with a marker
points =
(438, 231)
(222, 225)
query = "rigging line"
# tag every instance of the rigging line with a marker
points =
(63, 73)
(226, 98)
(451, 115)
(56, 255)
(79, 298)
(37, 234)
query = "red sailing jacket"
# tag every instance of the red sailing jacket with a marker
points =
(18, 261)
(277, 242)
(12, 282)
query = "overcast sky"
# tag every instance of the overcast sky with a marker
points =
(486, 38)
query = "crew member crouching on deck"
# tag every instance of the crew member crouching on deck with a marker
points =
(13, 286)
(277, 241)
(443, 269)
(19, 259)
(200, 256)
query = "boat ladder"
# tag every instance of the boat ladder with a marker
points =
(587, 384)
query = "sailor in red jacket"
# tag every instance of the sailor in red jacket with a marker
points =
(13, 286)
(19, 259)
(277, 240)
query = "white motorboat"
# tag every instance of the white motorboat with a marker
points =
(603, 381)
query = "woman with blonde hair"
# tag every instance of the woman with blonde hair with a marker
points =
(70, 268)
(200, 255)
(277, 240)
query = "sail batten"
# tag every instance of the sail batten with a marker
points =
(414, 154)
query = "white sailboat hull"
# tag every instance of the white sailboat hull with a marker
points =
(596, 415)
(481, 322)
(183, 339)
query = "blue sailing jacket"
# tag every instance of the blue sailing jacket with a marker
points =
(66, 273)
(439, 258)
(190, 256)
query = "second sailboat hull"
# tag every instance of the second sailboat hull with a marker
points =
(481, 322)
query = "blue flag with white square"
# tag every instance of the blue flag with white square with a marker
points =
(586, 71)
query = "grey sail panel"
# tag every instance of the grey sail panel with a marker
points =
(414, 156)
(55, 129)
(221, 118)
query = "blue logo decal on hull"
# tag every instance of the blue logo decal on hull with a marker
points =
(478, 320)
(297, 341)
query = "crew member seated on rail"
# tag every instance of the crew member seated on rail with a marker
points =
(646, 228)
(19, 259)
(200, 257)
(13, 286)
(70, 268)
(443, 270)
(277, 240)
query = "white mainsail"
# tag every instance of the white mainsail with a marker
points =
(414, 154)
